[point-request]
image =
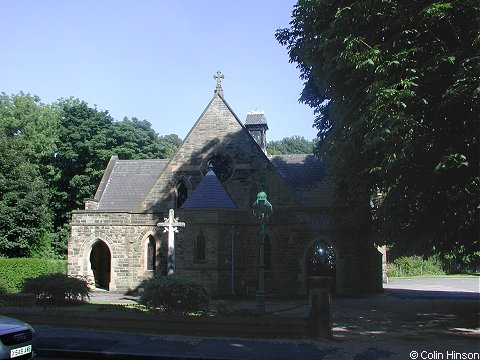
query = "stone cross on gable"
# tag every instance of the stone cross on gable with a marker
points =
(170, 225)
(219, 77)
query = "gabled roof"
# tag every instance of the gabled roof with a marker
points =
(127, 183)
(133, 185)
(299, 170)
(305, 173)
(217, 130)
(210, 193)
(256, 118)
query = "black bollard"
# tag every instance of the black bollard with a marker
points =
(320, 317)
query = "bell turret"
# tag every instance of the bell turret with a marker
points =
(256, 124)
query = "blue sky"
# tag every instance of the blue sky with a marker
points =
(155, 59)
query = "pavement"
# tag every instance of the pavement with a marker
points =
(424, 318)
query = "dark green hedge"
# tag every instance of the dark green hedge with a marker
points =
(175, 294)
(14, 272)
(57, 289)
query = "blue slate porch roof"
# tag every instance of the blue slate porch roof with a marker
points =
(210, 193)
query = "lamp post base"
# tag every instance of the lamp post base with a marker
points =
(260, 297)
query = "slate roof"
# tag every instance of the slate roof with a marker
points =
(255, 118)
(128, 183)
(305, 173)
(210, 193)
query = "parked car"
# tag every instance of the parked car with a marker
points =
(16, 339)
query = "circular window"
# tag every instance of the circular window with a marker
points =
(221, 164)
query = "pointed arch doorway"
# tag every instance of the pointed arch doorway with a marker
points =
(100, 263)
(320, 260)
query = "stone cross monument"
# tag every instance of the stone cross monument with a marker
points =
(170, 224)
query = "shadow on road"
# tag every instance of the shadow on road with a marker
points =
(406, 314)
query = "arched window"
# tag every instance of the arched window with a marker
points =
(151, 253)
(200, 247)
(182, 193)
(321, 261)
(267, 252)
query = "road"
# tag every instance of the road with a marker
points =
(165, 347)
(433, 315)
(435, 287)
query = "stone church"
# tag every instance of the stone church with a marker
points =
(211, 183)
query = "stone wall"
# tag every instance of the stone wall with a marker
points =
(126, 235)
(218, 131)
(290, 230)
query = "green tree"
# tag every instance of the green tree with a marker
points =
(27, 134)
(88, 137)
(291, 145)
(51, 158)
(135, 139)
(168, 145)
(80, 157)
(27, 125)
(396, 89)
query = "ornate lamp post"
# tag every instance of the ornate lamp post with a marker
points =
(262, 210)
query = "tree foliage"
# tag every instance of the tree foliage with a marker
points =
(27, 133)
(291, 145)
(79, 158)
(396, 90)
(51, 158)
(87, 139)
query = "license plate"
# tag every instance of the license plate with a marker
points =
(20, 351)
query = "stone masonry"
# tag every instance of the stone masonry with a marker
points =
(111, 238)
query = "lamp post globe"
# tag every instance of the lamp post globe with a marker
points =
(262, 210)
